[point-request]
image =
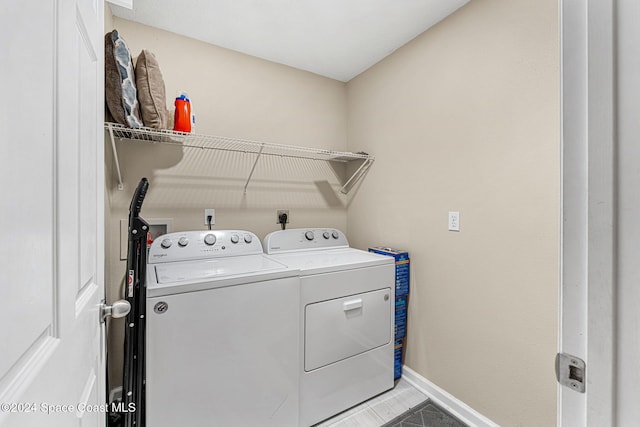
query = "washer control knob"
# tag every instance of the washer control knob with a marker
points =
(325, 235)
(166, 243)
(309, 235)
(210, 239)
(183, 241)
(248, 238)
(335, 235)
(235, 238)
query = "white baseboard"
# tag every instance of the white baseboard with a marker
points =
(455, 406)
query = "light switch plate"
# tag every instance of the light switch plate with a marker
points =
(454, 221)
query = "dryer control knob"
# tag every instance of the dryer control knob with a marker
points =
(335, 235)
(325, 235)
(309, 235)
(210, 239)
(166, 243)
(235, 238)
(183, 241)
(248, 238)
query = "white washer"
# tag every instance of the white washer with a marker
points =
(222, 333)
(347, 308)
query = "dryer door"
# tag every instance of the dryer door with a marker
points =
(343, 327)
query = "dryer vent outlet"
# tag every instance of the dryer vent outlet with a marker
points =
(279, 214)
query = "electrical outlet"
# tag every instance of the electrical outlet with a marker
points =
(211, 212)
(454, 221)
(280, 212)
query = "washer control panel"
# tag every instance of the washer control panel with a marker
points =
(188, 245)
(298, 239)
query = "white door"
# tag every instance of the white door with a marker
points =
(627, 291)
(601, 210)
(51, 220)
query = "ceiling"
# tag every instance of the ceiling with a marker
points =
(334, 38)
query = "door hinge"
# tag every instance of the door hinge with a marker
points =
(571, 372)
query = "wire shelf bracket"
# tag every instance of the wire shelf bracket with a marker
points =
(253, 168)
(209, 142)
(115, 158)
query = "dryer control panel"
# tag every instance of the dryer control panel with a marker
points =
(191, 245)
(300, 239)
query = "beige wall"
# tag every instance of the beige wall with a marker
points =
(238, 96)
(108, 18)
(466, 118)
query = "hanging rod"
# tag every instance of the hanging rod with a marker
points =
(209, 142)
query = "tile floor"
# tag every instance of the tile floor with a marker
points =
(426, 414)
(380, 409)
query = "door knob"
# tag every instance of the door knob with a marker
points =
(118, 309)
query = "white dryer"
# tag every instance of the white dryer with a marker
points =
(222, 333)
(346, 311)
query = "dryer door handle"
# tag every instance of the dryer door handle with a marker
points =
(352, 305)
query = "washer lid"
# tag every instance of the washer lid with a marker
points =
(323, 261)
(217, 268)
(188, 276)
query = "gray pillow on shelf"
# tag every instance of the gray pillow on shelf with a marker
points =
(120, 82)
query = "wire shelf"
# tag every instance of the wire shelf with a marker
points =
(210, 142)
